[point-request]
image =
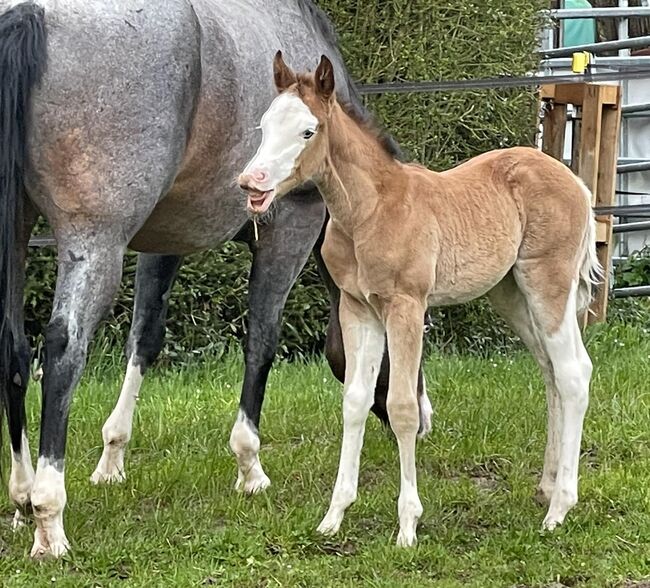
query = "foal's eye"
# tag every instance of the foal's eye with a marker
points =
(308, 134)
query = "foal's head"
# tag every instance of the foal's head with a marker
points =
(294, 134)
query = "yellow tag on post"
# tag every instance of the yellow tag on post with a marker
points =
(580, 62)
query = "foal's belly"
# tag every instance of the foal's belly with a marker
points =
(461, 276)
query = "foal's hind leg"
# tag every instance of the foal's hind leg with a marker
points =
(279, 255)
(550, 290)
(154, 279)
(508, 300)
(89, 271)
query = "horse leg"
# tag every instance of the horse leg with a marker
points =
(278, 257)
(154, 278)
(555, 316)
(89, 271)
(403, 318)
(335, 355)
(508, 300)
(22, 471)
(363, 341)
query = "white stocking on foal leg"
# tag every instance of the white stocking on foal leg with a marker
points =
(116, 432)
(572, 369)
(363, 342)
(245, 444)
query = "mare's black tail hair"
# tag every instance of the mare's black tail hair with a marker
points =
(23, 57)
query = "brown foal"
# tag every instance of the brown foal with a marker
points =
(514, 224)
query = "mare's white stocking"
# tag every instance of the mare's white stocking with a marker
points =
(245, 444)
(21, 481)
(48, 500)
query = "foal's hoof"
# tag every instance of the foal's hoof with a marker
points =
(406, 538)
(331, 524)
(253, 483)
(552, 522)
(114, 476)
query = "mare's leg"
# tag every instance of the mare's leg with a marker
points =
(403, 317)
(363, 338)
(278, 257)
(22, 471)
(89, 271)
(508, 300)
(550, 291)
(154, 279)
(335, 355)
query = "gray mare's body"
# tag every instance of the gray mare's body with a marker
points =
(142, 118)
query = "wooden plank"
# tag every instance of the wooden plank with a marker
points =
(603, 230)
(554, 129)
(605, 195)
(576, 93)
(590, 133)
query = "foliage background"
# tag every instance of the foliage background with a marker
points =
(381, 41)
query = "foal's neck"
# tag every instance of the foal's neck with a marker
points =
(356, 170)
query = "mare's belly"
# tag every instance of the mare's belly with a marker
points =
(185, 223)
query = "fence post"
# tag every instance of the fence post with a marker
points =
(595, 153)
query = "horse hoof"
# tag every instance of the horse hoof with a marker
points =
(114, 476)
(252, 484)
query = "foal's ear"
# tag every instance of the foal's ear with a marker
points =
(282, 73)
(324, 78)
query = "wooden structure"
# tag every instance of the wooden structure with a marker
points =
(594, 156)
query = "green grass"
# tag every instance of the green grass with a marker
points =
(178, 522)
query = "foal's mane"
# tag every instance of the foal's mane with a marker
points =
(353, 107)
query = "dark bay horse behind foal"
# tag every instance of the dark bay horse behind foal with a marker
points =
(123, 122)
(514, 224)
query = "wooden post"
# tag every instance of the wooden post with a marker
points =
(595, 155)
(605, 195)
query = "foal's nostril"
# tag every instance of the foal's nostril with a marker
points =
(259, 175)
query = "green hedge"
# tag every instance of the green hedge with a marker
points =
(381, 41)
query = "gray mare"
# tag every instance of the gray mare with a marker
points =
(123, 122)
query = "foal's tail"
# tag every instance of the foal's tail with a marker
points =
(590, 271)
(23, 56)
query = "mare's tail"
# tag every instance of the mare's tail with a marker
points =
(23, 56)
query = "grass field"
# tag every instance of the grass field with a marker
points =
(178, 522)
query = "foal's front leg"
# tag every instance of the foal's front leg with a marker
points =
(403, 317)
(363, 341)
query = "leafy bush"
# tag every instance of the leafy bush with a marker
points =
(381, 41)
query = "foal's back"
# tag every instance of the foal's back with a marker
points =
(499, 209)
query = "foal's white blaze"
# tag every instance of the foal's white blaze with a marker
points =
(283, 126)
(572, 369)
(245, 444)
(116, 432)
(21, 480)
(48, 500)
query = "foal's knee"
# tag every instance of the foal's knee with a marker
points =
(356, 405)
(404, 413)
